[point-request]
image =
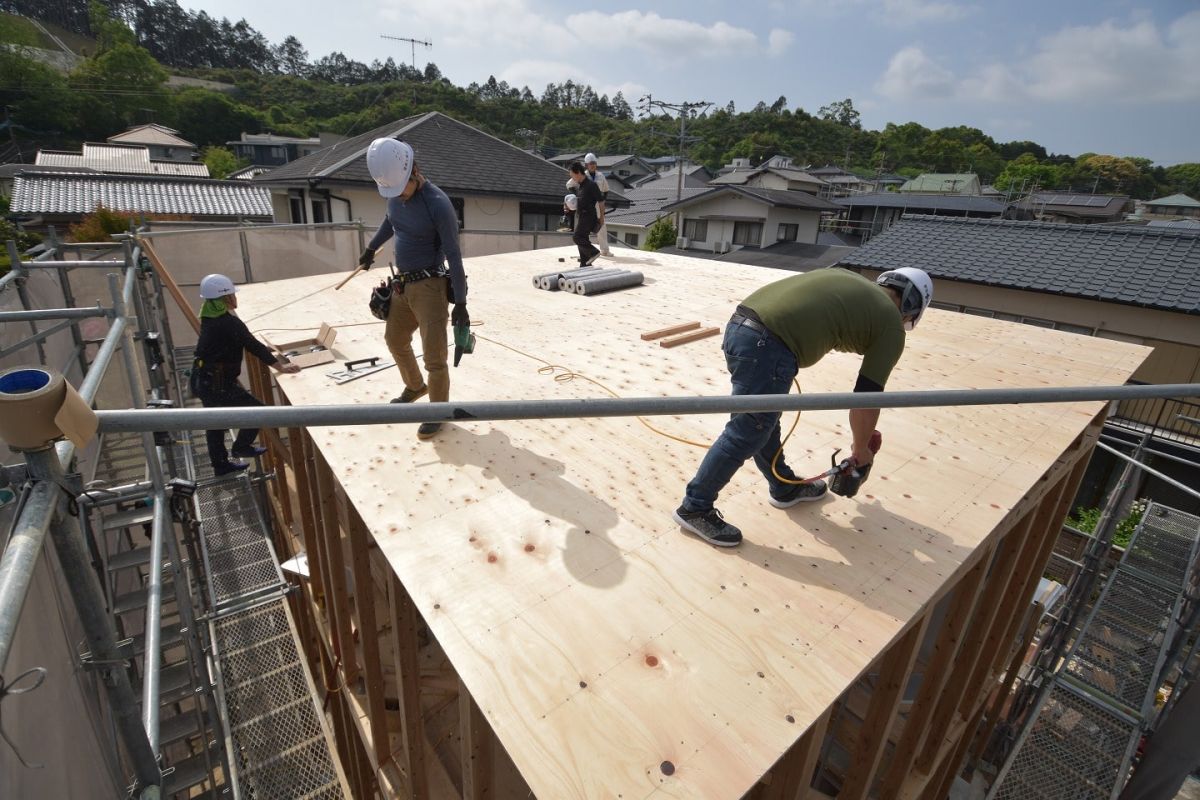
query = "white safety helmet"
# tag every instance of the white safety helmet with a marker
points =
(216, 285)
(915, 288)
(571, 201)
(391, 164)
(590, 158)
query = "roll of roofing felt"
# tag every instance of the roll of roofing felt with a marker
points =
(571, 282)
(550, 280)
(609, 283)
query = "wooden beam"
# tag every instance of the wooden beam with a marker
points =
(996, 706)
(793, 772)
(671, 331)
(476, 741)
(411, 755)
(368, 628)
(961, 608)
(895, 667)
(338, 606)
(684, 338)
(953, 763)
(173, 288)
(304, 492)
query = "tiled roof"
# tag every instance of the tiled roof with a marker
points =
(9, 170)
(924, 202)
(1142, 266)
(125, 159)
(1177, 200)
(740, 176)
(457, 157)
(1182, 224)
(647, 202)
(159, 135)
(941, 182)
(271, 138)
(56, 193)
(781, 198)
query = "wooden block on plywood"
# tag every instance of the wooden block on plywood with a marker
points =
(671, 331)
(675, 341)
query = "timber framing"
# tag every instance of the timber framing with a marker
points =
(507, 610)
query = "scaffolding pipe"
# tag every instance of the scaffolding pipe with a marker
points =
(73, 264)
(153, 663)
(1151, 471)
(12, 276)
(146, 234)
(190, 419)
(40, 336)
(52, 313)
(76, 564)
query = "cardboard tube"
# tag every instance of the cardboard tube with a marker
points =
(38, 406)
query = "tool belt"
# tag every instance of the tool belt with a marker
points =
(209, 378)
(747, 318)
(402, 279)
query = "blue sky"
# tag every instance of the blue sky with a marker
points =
(1077, 76)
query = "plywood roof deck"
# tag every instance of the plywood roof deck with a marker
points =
(600, 641)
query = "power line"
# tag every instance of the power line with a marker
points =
(685, 109)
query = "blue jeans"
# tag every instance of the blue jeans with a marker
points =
(759, 363)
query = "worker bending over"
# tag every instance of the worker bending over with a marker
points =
(778, 329)
(218, 362)
(425, 226)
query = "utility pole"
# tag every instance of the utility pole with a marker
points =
(685, 109)
(412, 42)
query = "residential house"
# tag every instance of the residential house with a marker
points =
(49, 198)
(565, 160)
(868, 214)
(628, 169)
(1176, 206)
(1138, 284)
(1076, 208)
(769, 177)
(694, 175)
(889, 182)
(118, 159)
(163, 142)
(646, 203)
(493, 185)
(840, 182)
(944, 183)
(726, 217)
(269, 150)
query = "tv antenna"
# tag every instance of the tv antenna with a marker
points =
(412, 42)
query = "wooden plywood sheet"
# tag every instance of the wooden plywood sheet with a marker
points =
(605, 647)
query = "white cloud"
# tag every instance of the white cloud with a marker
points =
(778, 41)
(664, 36)
(1136, 62)
(912, 74)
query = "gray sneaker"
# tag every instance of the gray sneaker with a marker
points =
(709, 526)
(799, 493)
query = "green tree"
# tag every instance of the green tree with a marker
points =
(1106, 173)
(36, 96)
(1025, 172)
(662, 234)
(984, 161)
(122, 84)
(1184, 178)
(842, 112)
(211, 118)
(220, 161)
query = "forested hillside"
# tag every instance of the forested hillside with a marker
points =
(136, 44)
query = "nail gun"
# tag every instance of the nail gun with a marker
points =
(845, 475)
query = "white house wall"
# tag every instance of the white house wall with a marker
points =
(743, 208)
(480, 212)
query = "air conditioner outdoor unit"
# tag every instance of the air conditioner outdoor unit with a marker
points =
(721, 247)
(681, 242)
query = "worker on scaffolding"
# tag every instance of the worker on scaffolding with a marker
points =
(778, 329)
(425, 226)
(218, 362)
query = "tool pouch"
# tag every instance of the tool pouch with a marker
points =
(201, 382)
(381, 300)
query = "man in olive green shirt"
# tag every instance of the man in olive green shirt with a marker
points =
(779, 329)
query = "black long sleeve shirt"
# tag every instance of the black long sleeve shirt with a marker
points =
(222, 342)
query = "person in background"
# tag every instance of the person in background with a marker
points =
(224, 339)
(596, 175)
(786, 325)
(422, 219)
(589, 215)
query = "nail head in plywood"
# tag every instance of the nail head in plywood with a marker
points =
(671, 331)
(675, 341)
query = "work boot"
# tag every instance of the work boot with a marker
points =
(408, 395)
(251, 451)
(591, 259)
(427, 430)
(709, 526)
(799, 493)
(228, 468)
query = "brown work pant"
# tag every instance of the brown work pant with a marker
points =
(422, 306)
